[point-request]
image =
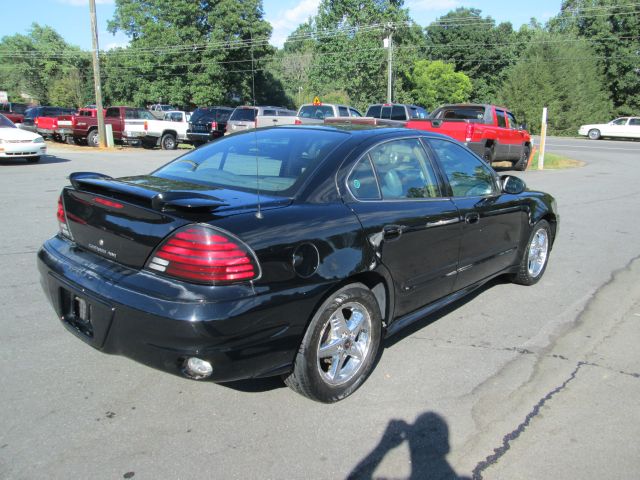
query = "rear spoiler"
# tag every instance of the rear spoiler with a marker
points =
(372, 121)
(160, 201)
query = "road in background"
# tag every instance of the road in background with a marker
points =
(515, 382)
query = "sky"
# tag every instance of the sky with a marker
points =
(70, 18)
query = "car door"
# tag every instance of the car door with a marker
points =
(503, 146)
(413, 228)
(615, 128)
(492, 221)
(516, 140)
(633, 127)
(112, 117)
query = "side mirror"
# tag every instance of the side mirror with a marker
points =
(512, 185)
(523, 126)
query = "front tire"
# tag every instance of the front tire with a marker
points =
(522, 163)
(487, 156)
(594, 134)
(339, 347)
(534, 260)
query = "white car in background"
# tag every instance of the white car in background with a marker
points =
(18, 143)
(625, 127)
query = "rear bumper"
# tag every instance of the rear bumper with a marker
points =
(243, 331)
(204, 137)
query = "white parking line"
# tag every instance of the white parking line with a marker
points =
(592, 147)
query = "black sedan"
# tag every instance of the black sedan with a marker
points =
(287, 251)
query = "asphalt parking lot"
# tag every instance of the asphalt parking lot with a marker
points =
(513, 383)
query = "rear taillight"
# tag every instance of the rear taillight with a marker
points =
(469, 133)
(214, 126)
(35, 121)
(146, 126)
(62, 219)
(204, 254)
(297, 121)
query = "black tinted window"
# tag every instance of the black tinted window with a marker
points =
(343, 111)
(243, 114)
(112, 112)
(269, 112)
(467, 174)
(374, 111)
(398, 113)
(386, 113)
(502, 121)
(460, 113)
(203, 115)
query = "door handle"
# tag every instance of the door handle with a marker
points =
(472, 218)
(392, 232)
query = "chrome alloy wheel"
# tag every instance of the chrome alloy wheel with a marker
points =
(344, 344)
(538, 251)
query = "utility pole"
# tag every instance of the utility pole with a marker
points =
(102, 134)
(389, 44)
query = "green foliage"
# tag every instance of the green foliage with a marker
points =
(339, 52)
(611, 28)
(437, 82)
(562, 74)
(190, 53)
(476, 46)
(33, 63)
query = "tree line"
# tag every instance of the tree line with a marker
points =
(583, 64)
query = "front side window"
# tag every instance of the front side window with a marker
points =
(512, 120)
(502, 121)
(468, 176)
(343, 111)
(243, 114)
(619, 121)
(634, 121)
(354, 112)
(404, 170)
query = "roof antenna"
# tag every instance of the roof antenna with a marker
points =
(259, 215)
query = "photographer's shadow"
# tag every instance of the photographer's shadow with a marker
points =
(428, 440)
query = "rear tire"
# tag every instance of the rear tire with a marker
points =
(522, 163)
(93, 139)
(340, 346)
(594, 134)
(168, 142)
(536, 256)
(487, 156)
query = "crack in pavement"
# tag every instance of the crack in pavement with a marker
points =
(476, 474)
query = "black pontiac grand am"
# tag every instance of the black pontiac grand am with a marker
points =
(287, 251)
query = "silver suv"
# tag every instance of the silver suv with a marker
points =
(246, 117)
(317, 112)
(397, 111)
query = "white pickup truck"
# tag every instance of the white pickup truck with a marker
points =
(168, 132)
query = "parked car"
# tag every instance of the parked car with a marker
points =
(396, 111)
(315, 113)
(32, 116)
(14, 111)
(208, 123)
(623, 127)
(287, 251)
(492, 132)
(59, 127)
(168, 132)
(247, 117)
(127, 124)
(158, 110)
(18, 143)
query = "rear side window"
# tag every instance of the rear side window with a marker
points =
(502, 120)
(404, 170)
(222, 115)
(634, 121)
(374, 111)
(286, 113)
(269, 113)
(398, 113)
(243, 115)
(354, 112)
(315, 111)
(343, 111)
(112, 113)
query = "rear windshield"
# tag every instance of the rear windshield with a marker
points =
(243, 114)
(460, 113)
(277, 159)
(374, 111)
(316, 111)
(138, 114)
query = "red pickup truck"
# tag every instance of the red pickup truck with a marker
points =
(59, 127)
(14, 111)
(127, 124)
(490, 131)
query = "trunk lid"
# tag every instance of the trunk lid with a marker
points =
(125, 219)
